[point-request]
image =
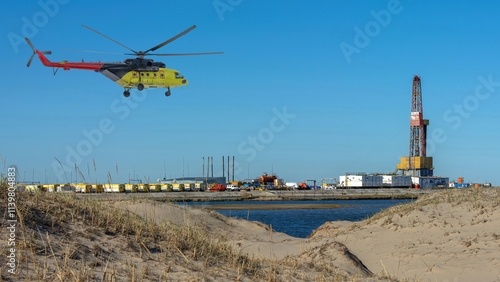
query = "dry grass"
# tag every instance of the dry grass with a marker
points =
(64, 238)
(475, 198)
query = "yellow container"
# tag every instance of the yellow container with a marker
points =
(97, 188)
(114, 188)
(52, 187)
(31, 188)
(87, 189)
(416, 163)
(80, 188)
(143, 187)
(155, 187)
(179, 187)
(129, 188)
(166, 188)
(188, 186)
(199, 186)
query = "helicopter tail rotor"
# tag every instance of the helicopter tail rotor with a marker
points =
(34, 52)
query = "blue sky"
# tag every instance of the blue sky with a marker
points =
(285, 81)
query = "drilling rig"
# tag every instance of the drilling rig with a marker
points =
(417, 163)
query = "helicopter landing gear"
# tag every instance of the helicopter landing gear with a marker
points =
(168, 92)
(126, 93)
(140, 87)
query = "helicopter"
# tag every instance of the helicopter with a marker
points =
(137, 73)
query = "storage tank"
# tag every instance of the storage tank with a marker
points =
(267, 178)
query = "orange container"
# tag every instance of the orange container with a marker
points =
(460, 180)
(477, 185)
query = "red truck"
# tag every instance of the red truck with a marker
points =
(218, 187)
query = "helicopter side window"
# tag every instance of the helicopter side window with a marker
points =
(177, 75)
(147, 74)
(142, 74)
(154, 75)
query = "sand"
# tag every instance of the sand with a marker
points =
(452, 235)
(444, 236)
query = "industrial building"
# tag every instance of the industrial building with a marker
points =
(417, 169)
(207, 180)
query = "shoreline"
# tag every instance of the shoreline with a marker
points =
(300, 195)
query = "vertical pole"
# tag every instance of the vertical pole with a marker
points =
(223, 168)
(212, 160)
(228, 177)
(203, 168)
(233, 168)
(208, 166)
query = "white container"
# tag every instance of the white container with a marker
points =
(430, 182)
(361, 181)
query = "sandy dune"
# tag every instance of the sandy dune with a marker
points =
(451, 235)
(441, 237)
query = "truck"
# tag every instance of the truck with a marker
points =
(218, 187)
(232, 187)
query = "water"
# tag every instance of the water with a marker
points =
(301, 222)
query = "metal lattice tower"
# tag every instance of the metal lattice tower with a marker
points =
(417, 163)
(417, 127)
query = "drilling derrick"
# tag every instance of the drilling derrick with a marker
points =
(417, 136)
(417, 163)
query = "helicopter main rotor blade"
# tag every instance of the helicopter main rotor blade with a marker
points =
(171, 39)
(109, 38)
(31, 59)
(187, 54)
(29, 43)
(94, 51)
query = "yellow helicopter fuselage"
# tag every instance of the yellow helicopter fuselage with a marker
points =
(163, 78)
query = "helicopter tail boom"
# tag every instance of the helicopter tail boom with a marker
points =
(68, 65)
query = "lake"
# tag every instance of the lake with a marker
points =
(302, 221)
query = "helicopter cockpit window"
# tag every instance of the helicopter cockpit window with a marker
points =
(177, 75)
